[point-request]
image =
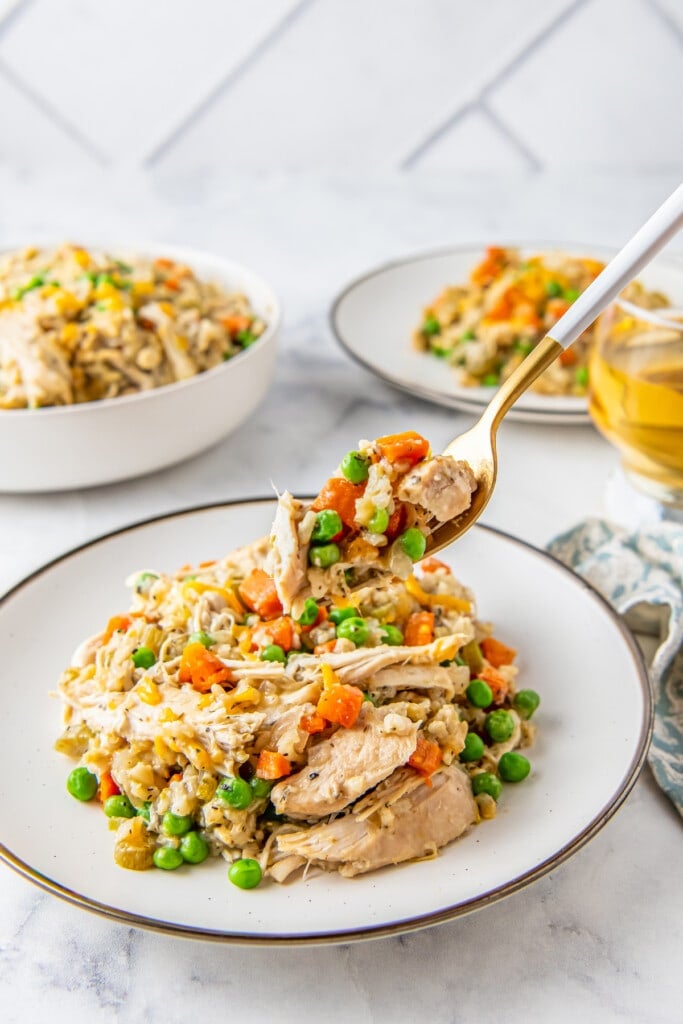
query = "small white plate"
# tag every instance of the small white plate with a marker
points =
(373, 319)
(594, 726)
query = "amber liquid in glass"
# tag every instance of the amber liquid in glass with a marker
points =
(636, 400)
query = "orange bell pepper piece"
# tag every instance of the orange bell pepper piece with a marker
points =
(271, 765)
(107, 787)
(496, 652)
(116, 623)
(259, 594)
(341, 704)
(202, 669)
(426, 758)
(406, 447)
(419, 629)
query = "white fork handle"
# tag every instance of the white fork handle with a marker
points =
(654, 234)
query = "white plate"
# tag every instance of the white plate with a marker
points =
(374, 316)
(594, 726)
(92, 443)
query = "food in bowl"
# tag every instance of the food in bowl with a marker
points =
(362, 728)
(78, 325)
(485, 327)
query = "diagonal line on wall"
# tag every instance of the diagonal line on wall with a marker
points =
(501, 75)
(17, 11)
(664, 16)
(261, 48)
(53, 114)
(527, 154)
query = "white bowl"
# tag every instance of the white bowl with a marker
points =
(73, 446)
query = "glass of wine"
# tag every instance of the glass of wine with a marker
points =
(636, 401)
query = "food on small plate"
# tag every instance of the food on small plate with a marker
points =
(343, 727)
(78, 325)
(485, 327)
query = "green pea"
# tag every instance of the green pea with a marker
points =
(378, 521)
(143, 812)
(473, 749)
(245, 873)
(235, 792)
(81, 783)
(354, 466)
(581, 376)
(144, 582)
(479, 693)
(438, 350)
(513, 767)
(414, 543)
(143, 657)
(392, 635)
(355, 629)
(491, 380)
(273, 652)
(166, 858)
(468, 335)
(485, 782)
(310, 612)
(431, 326)
(526, 702)
(523, 346)
(324, 556)
(500, 725)
(200, 637)
(193, 848)
(246, 338)
(260, 788)
(328, 525)
(119, 807)
(338, 615)
(553, 289)
(571, 294)
(176, 824)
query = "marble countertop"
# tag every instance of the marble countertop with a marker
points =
(598, 938)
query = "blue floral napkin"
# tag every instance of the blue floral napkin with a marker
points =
(641, 575)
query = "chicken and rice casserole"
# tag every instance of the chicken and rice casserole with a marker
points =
(78, 326)
(486, 327)
(310, 700)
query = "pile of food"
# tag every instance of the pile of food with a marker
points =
(78, 326)
(486, 327)
(308, 700)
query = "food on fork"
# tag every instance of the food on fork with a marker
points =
(282, 715)
(485, 327)
(78, 325)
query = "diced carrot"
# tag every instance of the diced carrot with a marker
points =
(313, 723)
(116, 623)
(325, 648)
(568, 357)
(397, 521)
(489, 268)
(426, 758)
(107, 787)
(496, 681)
(341, 496)
(202, 668)
(406, 447)
(259, 594)
(277, 631)
(234, 324)
(496, 652)
(432, 564)
(172, 284)
(419, 629)
(163, 263)
(341, 704)
(557, 308)
(271, 765)
(205, 565)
